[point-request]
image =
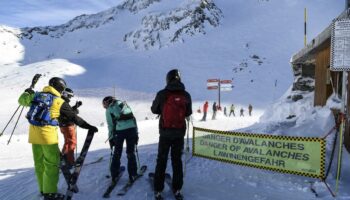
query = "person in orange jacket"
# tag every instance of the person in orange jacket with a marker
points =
(68, 129)
(205, 110)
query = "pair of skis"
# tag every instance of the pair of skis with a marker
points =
(72, 178)
(168, 181)
(127, 186)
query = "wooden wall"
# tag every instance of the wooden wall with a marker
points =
(322, 65)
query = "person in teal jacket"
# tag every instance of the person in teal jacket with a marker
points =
(121, 126)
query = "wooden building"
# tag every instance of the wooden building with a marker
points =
(313, 63)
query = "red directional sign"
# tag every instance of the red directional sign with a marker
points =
(212, 80)
(226, 81)
(213, 87)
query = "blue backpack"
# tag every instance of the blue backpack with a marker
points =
(39, 112)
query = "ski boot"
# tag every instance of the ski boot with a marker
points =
(158, 196)
(178, 195)
(53, 196)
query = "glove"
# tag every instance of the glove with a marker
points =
(78, 104)
(111, 143)
(29, 90)
(93, 129)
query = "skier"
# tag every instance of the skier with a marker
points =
(250, 108)
(205, 110)
(43, 133)
(173, 104)
(121, 126)
(232, 110)
(225, 111)
(241, 112)
(214, 111)
(68, 129)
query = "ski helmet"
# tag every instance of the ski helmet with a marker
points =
(107, 101)
(58, 83)
(68, 93)
(173, 74)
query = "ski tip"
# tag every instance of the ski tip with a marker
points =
(120, 194)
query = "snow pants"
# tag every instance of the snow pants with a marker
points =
(130, 135)
(46, 163)
(70, 142)
(204, 116)
(176, 145)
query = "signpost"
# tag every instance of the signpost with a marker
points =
(340, 61)
(340, 45)
(220, 85)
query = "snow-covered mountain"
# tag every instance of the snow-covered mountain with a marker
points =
(245, 41)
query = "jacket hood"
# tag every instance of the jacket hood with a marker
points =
(51, 90)
(175, 85)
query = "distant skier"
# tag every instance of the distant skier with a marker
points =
(205, 110)
(225, 111)
(43, 133)
(241, 112)
(214, 111)
(250, 108)
(121, 126)
(232, 110)
(174, 104)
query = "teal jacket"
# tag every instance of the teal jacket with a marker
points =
(119, 117)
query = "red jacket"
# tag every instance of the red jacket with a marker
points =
(205, 107)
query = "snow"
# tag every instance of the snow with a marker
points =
(90, 53)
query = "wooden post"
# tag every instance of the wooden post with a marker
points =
(305, 19)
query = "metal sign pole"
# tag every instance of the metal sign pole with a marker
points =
(219, 93)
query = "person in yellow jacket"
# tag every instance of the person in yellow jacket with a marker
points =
(43, 132)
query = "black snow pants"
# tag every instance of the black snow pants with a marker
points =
(175, 144)
(130, 135)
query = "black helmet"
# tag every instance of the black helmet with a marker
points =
(107, 101)
(173, 74)
(68, 93)
(58, 83)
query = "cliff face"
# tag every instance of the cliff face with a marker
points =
(161, 29)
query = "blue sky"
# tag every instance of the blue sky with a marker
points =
(28, 13)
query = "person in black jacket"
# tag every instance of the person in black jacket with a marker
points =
(173, 104)
(214, 111)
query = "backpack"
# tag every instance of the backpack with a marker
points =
(39, 112)
(174, 110)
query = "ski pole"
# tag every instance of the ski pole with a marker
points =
(34, 81)
(137, 156)
(8, 142)
(110, 162)
(76, 141)
(10, 120)
(340, 151)
(187, 148)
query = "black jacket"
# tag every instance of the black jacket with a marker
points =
(158, 103)
(68, 116)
